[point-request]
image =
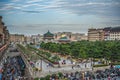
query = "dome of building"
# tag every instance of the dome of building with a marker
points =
(64, 39)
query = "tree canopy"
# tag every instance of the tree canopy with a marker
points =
(84, 49)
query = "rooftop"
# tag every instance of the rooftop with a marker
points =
(115, 29)
(64, 38)
(48, 34)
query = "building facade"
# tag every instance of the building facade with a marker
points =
(4, 37)
(17, 38)
(1, 31)
(107, 33)
(4, 33)
(95, 34)
(115, 33)
(36, 38)
(28, 39)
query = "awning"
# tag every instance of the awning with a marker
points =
(117, 66)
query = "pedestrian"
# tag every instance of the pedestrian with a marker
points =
(109, 78)
(72, 67)
(47, 65)
(49, 71)
(115, 78)
(85, 65)
(0, 76)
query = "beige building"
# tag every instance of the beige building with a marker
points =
(17, 38)
(28, 39)
(95, 34)
(84, 37)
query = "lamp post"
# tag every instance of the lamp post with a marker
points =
(92, 63)
(91, 60)
(41, 63)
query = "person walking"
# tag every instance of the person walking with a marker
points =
(72, 67)
(0, 76)
(109, 77)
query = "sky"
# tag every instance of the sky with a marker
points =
(38, 16)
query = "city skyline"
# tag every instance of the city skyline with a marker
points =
(38, 16)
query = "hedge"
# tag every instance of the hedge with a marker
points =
(100, 65)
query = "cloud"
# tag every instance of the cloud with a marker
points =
(7, 7)
(15, 0)
(30, 11)
(105, 8)
(23, 7)
(112, 22)
(29, 5)
(100, 8)
(33, 1)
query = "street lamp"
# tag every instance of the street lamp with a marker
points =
(41, 63)
(92, 63)
(91, 60)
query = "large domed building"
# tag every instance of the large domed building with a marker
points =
(64, 39)
(48, 37)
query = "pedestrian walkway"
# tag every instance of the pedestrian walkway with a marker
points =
(13, 69)
(13, 66)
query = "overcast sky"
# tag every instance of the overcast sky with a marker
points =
(39, 16)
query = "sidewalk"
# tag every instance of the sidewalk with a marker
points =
(66, 70)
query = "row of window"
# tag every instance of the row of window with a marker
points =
(114, 38)
(115, 33)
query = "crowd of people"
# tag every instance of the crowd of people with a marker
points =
(107, 74)
(12, 69)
